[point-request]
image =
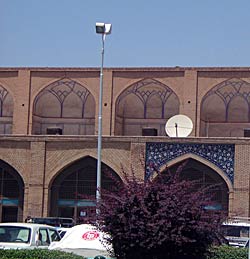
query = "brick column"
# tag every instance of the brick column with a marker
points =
(188, 102)
(106, 102)
(241, 181)
(137, 159)
(21, 103)
(36, 180)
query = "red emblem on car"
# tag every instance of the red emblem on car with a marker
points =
(90, 235)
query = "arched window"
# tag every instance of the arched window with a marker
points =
(147, 103)
(65, 104)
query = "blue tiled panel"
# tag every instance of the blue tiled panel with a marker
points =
(222, 155)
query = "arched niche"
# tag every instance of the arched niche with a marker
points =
(6, 111)
(146, 103)
(237, 110)
(225, 108)
(64, 104)
(204, 177)
(11, 194)
(73, 190)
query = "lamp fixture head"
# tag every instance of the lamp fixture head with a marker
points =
(103, 28)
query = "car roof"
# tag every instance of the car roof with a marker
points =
(30, 225)
(51, 218)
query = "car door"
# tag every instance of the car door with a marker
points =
(43, 237)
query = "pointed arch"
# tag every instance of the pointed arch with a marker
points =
(11, 194)
(64, 104)
(6, 111)
(73, 189)
(219, 113)
(203, 161)
(146, 103)
(205, 175)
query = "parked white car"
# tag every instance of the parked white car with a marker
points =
(84, 240)
(27, 235)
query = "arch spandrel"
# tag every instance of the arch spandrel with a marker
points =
(220, 155)
(9, 164)
(66, 163)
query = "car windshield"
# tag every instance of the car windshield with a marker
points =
(15, 234)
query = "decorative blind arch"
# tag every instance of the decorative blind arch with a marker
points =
(6, 111)
(145, 90)
(228, 90)
(146, 103)
(61, 89)
(218, 107)
(66, 104)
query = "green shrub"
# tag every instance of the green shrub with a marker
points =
(228, 252)
(36, 254)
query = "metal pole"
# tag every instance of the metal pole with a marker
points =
(99, 147)
(249, 242)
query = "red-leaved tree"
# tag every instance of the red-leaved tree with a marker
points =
(161, 219)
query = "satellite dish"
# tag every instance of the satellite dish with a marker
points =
(179, 126)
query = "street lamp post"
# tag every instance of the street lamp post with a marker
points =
(103, 29)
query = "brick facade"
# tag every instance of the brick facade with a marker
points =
(39, 158)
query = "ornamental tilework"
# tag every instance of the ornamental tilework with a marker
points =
(158, 154)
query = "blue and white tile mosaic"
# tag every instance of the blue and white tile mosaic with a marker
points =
(158, 154)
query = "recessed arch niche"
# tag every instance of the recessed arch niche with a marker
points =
(11, 194)
(204, 177)
(73, 190)
(67, 105)
(147, 103)
(6, 111)
(225, 109)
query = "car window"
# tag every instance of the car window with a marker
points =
(62, 233)
(23, 235)
(43, 237)
(54, 236)
(14, 234)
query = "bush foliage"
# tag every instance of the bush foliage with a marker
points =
(228, 252)
(36, 254)
(163, 219)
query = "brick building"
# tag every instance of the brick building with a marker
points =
(43, 174)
